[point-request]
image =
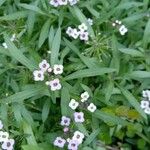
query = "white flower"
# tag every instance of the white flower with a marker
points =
(69, 31)
(78, 136)
(117, 21)
(84, 35)
(90, 21)
(83, 27)
(49, 70)
(54, 3)
(73, 104)
(5, 45)
(91, 107)
(146, 94)
(1, 125)
(58, 69)
(113, 24)
(44, 65)
(8, 144)
(145, 104)
(55, 85)
(73, 2)
(75, 34)
(84, 96)
(63, 2)
(3, 136)
(38, 75)
(13, 37)
(147, 110)
(123, 30)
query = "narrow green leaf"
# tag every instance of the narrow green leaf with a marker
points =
(65, 99)
(91, 137)
(44, 33)
(45, 110)
(132, 52)
(51, 37)
(15, 15)
(82, 129)
(18, 55)
(89, 73)
(56, 47)
(1, 2)
(139, 74)
(146, 36)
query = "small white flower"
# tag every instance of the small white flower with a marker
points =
(75, 34)
(123, 30)
(78, 136)
(4, 45)
(44, 65)
(90, 21)
(8, 144)
(113, 24)
(55, 85)
(83, 27)
(54, 3)
(3, 136)
(146, 94)
(1, 125)
(73, 2)
(68, 140)
(84, 96)
(147, 110)
(63, 2)
(117, 21)
(13, 37)
(73, 104)
(49, 52)
(58, 69)
(84, 36)
(145, 104)
(49, 70)
(38, 75)
(69, 31)
(91, 107)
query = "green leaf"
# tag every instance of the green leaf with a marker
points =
(86, 148)
(132, 101)
(106, 117)
(146, 36)
(26, 94)
(82, 129)
(44, 33)
(56, 47)
(139, 74)
(45, 110)
(18, 55)
(15, 15)
(1, 2)
(131, 52)
(91, 137)
(32, 7)
(65, 99)
(51, 37)
(89, 73)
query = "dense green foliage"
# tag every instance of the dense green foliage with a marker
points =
(114, 69)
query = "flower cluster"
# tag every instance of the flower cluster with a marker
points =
(84, 98)
(11, 39)
(6, 142)
(46, 71)
(57, 3)
(81, 32)
(72, 142)
(122, 28)
(145, 103)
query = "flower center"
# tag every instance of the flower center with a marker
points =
(8, 144)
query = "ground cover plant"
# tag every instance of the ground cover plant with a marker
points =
(75, 74)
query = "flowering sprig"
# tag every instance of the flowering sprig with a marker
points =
(145, 103)
(80, 32)
(46, 71)
(6, 142)
(122, 28)
(57, 3)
